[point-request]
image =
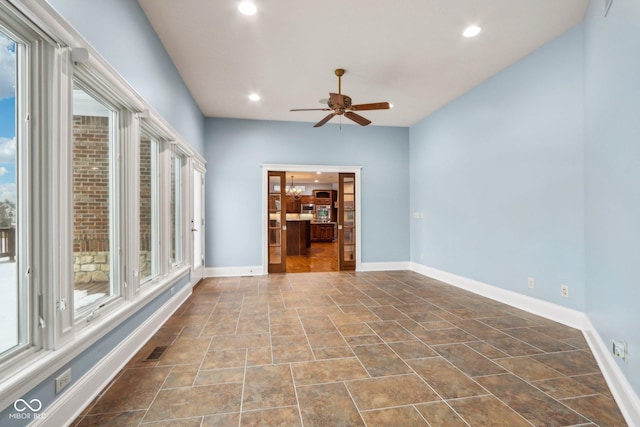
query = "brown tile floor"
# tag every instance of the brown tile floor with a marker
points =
(349, 349)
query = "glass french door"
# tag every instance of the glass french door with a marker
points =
(277, 221)
(347, 221)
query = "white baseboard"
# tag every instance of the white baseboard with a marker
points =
(385, 266)
(558, 313)
(259, 270)
(625, 396)
(69, 406)
(256, 270)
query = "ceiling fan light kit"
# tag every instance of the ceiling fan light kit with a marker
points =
(341, 105)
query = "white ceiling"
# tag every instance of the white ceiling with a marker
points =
(311, 178)
(408, 52)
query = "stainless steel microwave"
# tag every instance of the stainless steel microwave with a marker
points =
(307, 208)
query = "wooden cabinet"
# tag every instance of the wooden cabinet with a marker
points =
(324, 197)
(323, 232)
(298, 237)
(306, 200)
(293, 205)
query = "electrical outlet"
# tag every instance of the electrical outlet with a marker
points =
(620, 349)
(531, 283)
(63, 380)
(564, 291)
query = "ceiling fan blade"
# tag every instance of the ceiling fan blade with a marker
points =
(357, 118)
(323, 121)
(372, 106)
(310, 109)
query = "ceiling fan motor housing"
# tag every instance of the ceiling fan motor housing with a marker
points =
(346, 100)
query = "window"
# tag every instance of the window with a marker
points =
(92, 201)
(14, 316)
(95, 239)
(149, 225)
(176, 207)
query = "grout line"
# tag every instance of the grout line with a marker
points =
(244, 381)
(344, 384)
(295, 391)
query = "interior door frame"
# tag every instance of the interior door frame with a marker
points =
(279, 267)
(267, 167)
(197, 273)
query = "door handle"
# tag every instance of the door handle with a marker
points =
(194, 229)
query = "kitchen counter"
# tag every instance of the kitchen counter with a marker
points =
(298, 236)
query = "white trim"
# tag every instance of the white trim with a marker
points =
(623, 393)
(267, 167)
(67, 408)
(255, 270)
(564, 315)
(385, 266)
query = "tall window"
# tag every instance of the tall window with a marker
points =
(14, 316)
(149, 227)
(94, 201)
(176, 207)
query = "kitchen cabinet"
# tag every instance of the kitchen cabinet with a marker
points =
(293, 205)
(324, 197)
(323, 232)
(307, 200)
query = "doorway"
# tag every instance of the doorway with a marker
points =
(324, 239)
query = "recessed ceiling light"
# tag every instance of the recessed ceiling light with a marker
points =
(318, 173)
(472, 31)
(254, 97)
(247, 8)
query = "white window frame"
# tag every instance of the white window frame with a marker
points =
(180, 203)
(156, 143)
(117, 115)
(29, 302)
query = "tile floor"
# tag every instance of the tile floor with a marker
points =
(355, 349)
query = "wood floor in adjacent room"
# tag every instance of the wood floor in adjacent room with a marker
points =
(355, 349)
(321, 257)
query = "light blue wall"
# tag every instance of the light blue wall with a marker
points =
(612, 157)
(235, 149)
(121, 33)
(499, 176)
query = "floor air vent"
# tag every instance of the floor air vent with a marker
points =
(157, 353)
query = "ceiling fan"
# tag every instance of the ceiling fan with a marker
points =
(340, 105)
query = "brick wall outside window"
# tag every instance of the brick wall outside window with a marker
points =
(146, 174)
(91, 199)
